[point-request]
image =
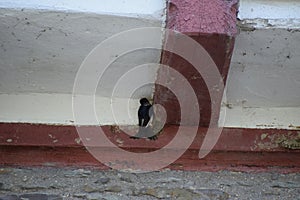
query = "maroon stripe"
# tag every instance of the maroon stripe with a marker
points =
(237, 149)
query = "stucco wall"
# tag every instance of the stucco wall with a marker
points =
(135, 8)
(43, 43)
(263, 87)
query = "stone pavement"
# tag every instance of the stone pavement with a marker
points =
(50, 183)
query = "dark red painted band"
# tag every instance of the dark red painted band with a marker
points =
(39, 144)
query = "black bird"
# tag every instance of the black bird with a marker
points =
(145, 113)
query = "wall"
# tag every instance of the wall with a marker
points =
(264, 79)
(149, 8)
(43, 43)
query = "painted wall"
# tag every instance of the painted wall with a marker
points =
(43, 43)
(266, 9)
(264, 79)
(149, 8)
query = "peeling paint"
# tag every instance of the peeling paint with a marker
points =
(294, 127)
(291, 144)
(274, 141)
(263, 136)
(119, 141)
(245, 26)
(52, 45)
(193, 16)
(115, 129)
(253, 24)
(78, 140)
(9, 140)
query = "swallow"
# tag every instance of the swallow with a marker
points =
(145, 112)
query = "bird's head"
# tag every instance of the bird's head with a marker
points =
(144, 102)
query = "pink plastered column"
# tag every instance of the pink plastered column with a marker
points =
(213, 25)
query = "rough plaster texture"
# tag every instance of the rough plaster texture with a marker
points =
(265, 69)
(263, 86)
(41, 51)
(145, 8)
(202, 17)
(213, 25)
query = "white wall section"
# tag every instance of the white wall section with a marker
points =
(263, 87)
(43, 43)
(57, 109)
(135, 8)
(269, 9)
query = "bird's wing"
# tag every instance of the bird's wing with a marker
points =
(140, 121)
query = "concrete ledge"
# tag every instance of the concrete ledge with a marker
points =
(237, 149)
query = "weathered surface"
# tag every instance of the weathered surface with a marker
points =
(80, 184)
(41, 50)
(212, 24)
(204, 16)
(236, 149)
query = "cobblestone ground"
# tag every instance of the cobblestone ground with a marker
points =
(66, 183)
